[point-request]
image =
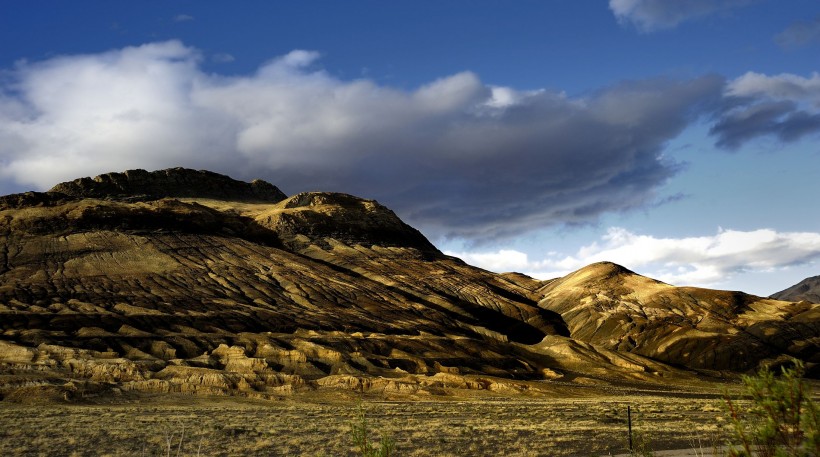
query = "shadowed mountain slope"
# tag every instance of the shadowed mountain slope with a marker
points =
(807, 289)
(134, 282)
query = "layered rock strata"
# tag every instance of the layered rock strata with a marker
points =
(181, 281)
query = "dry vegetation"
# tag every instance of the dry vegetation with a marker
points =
(489, 426)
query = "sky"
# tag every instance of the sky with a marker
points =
(680, 139)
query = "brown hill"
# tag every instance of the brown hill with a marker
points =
(807, 290)
(111, 286)
(610, 306)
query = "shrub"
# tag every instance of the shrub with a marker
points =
(782, 420)
(360, 435)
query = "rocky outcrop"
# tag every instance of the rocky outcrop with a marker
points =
(806, 290)
(174, 182)
(316, 216)
(34, 200)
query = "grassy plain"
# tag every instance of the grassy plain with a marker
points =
(491, 426)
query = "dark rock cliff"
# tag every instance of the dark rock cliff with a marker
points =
(173, 182)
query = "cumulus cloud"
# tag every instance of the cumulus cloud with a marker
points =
(699, 261)
(785, 106)
(801, 33)
(652, 15)
(454, 156)
(122, 109)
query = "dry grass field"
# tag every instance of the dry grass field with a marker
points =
(191, 426)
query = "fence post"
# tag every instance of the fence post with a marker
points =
(629, 424)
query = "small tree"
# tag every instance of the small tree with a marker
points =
(782, 420)
(366, 446)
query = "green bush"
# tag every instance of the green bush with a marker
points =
(366, 446)
(782, 420)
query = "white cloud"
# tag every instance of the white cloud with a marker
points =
(183, 18)
(698, 261)
(453, 157)
(651, 15)
(114, 110)
(502, 97)
(299, 58)
(500, 261)
(784, 86)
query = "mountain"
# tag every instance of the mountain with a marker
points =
(612, 307)
(806, 290)
(189, 281)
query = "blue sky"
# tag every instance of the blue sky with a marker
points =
(678, 138)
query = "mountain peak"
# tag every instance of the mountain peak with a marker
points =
(807, 289)
(343, 217)
(172, 182)
(603, 270)
(604, 274)
(319, 199)
(606, 268)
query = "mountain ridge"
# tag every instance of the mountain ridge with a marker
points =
(123, 290)
(172, 182)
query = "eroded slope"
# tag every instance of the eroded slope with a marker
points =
(612, 307)
(134, 282)
(212, 295)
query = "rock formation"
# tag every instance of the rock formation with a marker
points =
(191, 282)
(173, 182)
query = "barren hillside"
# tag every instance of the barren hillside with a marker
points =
(187, 281)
